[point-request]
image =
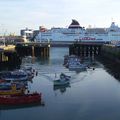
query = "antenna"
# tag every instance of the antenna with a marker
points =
(112, 19)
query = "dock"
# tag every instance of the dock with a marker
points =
(111, 52)
(85, 49)
(11, 53)
(33, 49)
(4, 50)
(7, 47)
(9, 56)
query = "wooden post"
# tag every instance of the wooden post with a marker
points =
(33, 51)
(47, 51)
(41, 51)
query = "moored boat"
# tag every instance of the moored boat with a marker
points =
(13, 90)
(30, 72)
(20, 99)
(14, 76)
(74, 63)
(8, 85)
(63, 80)
(77, 66)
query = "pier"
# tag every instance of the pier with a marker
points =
(111, 52)
(85, 49)
(5, 51)
(33, 49)
(42, 49)
(9, 57)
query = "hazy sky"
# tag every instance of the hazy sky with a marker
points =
(19, 14)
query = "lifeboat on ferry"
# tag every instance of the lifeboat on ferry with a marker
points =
(20, 99)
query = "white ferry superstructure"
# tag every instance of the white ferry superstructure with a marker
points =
(75, 32)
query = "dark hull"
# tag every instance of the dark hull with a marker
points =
(20, 99)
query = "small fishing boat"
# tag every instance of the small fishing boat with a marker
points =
(23, 74)
(14, 75)
(30, 72)
(75, 65)
(63, 80)
(8, 85)
(62, 76)
(13, 90)
(20, 99)
(68, 59)
(2, 81)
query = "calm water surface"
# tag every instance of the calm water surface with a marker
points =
(92, 94)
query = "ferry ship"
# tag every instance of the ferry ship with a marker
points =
(75, 32)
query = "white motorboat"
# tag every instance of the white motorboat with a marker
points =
(77, 66)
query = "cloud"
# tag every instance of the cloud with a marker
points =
(12, 0)
(30, 13)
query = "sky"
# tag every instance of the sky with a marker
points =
(19, 14)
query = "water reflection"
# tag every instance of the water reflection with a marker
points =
(61, 88)
(43, 61)
(111, 67)
(84, 98)
(11, 107)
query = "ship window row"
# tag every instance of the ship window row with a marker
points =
(115, 34)
(45, 35)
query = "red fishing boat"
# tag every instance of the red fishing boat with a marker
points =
(20, 99)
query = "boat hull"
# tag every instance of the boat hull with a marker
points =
(61, 83)
(77, 68)
(11, 92)
(21, 99)
(8, 86)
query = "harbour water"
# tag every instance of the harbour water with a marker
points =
(91, 95)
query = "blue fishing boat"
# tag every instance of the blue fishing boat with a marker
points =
(63, 80)
(14, 75)
(8, 86)
(29, 71)
(13, 90)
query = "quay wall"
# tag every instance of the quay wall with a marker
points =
(111, 52)
(33, 50)
(9, 59)
(85, 49)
